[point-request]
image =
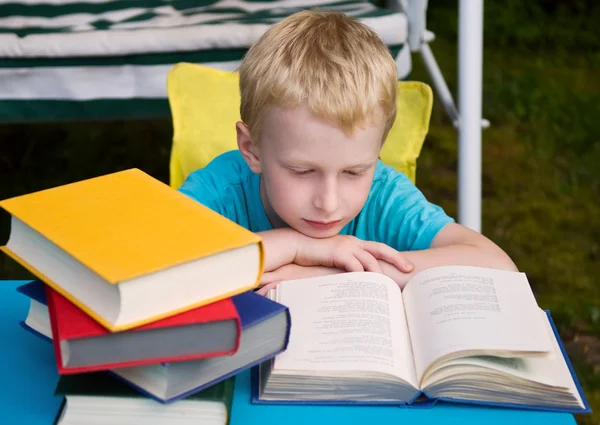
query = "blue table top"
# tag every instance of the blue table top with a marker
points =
(29, 377)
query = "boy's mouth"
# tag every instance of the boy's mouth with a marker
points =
(322, 225)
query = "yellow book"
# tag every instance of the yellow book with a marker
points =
(129, 250)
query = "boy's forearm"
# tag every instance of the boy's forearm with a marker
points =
(294, 271)
(281, 246)
(456, 255)
(287, 246)
(454, 245)
(270, 280)
(457, 245)
(461, 255)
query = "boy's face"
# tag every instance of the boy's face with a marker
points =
(314, 177)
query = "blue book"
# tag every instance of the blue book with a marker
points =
(34, 290)
(265, 333)
(37, 321)
(453, 335)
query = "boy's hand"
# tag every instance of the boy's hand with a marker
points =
(295, 271)
(292, 271)
(401, 278)
(348, 253)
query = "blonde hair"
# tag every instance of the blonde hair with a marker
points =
(335, 65)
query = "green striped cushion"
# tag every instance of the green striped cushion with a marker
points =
(65, 59)
(65, 28)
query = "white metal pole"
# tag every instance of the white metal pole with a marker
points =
(470, 51)
(441, 88)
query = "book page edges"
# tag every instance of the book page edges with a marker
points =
(75, 370)
(586, 406)
(109, 326)
(57, 288)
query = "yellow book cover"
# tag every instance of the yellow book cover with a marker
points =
(127, 224)
(124, 226)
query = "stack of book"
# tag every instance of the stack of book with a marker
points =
(146, 294)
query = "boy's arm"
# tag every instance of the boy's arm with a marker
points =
(294, 271)
(422, 231)
(287, 246)
(280, 247)
(454, 245)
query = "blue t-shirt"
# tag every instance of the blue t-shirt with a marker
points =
(396, 212)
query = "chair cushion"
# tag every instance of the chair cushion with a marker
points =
(205, 107)
(68, 29)
(74, 59)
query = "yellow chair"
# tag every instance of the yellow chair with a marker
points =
(205, 107)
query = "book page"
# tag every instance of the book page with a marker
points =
(550, 369)
(457, 308)
(346, 322)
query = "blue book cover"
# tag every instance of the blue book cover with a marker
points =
(425, 401)
(34, 332)
(35, 290)
(252, 309)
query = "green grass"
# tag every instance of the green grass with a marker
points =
(541, 156)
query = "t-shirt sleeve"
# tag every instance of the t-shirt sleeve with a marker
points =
(403, 218)
(203, 186)
(225, 185)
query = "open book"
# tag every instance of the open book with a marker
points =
(462, 334)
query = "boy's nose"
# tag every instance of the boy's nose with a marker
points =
(327, 198)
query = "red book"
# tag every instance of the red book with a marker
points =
(83, 345)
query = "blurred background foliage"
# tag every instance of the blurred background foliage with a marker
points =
(541, 156)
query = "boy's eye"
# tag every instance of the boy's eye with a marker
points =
(300, 172)
(355, 173)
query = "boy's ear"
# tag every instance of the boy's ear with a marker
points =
(247, 148)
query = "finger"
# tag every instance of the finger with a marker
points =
(383, 252)
(368, 262)
(348, 262)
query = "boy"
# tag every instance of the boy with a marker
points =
(318, 97)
